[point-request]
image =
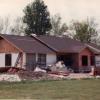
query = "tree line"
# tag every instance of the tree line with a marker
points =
(37, 20)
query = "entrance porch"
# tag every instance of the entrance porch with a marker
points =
(78, 62)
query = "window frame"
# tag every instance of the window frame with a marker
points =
(42, 59)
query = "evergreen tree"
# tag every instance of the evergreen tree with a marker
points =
(37, 18)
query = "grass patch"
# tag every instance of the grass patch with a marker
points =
(44, 90)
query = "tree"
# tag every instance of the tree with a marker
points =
(37, 18)
(1, 25)
(58, 28)
(85, 31)
(8, 26)
(18, 27)
(4, 25)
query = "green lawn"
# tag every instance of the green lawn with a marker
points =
(51, 90)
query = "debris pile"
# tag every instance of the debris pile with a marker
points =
(26, 75)
(10, 78)
(55, 72)
(30, 75)
(59, 69)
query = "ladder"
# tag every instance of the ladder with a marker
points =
(18, 59)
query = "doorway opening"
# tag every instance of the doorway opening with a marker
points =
(84, 60)
(8, 59)
(67, 59)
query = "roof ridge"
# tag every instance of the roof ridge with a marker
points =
(36, 37)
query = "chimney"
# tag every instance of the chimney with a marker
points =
(34, 35)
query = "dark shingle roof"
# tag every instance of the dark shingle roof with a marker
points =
(27, 44)
(94, 45)
(62, 44)
(46, 44)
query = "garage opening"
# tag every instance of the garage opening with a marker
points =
(8, 59)
(84, 60)
(68, 59)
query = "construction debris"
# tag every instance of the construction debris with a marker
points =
(37, 69)
(30, 75)
(59, 69)
(10, 78)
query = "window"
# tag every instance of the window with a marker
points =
(8, 59)
(84, 60)
(30, 61)
(42, 59)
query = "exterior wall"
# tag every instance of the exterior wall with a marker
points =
(2, 59)
(85, 52)
(14, 58)
(51, 59)
(30, 61)
(24, 59)
(75, 61)
(6, 47)
(97, 60)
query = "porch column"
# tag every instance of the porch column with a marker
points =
(89, 60)
(21, 60)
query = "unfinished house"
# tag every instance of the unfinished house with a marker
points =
(29, 51)
(23, 51)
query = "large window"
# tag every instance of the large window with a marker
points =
(84, 60)
(42, 59)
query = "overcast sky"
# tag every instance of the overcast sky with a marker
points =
(68, 9)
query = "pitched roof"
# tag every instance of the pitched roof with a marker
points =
(62, 44)
(47, 44)
(27, 44)
(94, 47)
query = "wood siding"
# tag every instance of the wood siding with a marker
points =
(6, 47)
(85, 52)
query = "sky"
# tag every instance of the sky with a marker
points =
(68, 9)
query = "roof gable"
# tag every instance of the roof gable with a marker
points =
(95, 48)
(27, 44)
(6, 47)
(45, 44)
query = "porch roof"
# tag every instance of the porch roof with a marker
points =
(94, 47)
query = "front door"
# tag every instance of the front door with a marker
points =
(7, 59)
(84, 60)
